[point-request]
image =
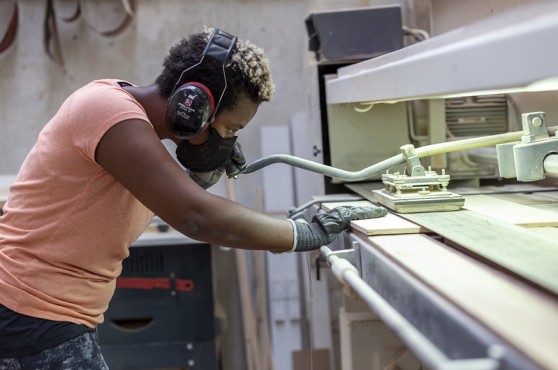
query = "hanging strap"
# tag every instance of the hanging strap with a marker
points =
(51, 40)
(11, 31)
(129, 8)
(75, 15)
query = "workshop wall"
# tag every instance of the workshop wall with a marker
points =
(33, 85)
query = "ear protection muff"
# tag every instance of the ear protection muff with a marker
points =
(189, 110)
(192, 107)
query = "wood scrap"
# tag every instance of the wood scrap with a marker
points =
(387, 225)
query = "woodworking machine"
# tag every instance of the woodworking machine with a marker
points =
(451, 135)
(444, 322)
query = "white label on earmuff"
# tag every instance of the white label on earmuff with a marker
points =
(183, 114)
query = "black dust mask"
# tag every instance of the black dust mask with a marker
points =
(209, 156)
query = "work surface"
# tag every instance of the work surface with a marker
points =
(496, 260)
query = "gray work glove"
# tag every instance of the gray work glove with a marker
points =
(237, 161)
(207, 179)
(232, 167)
(325, 226)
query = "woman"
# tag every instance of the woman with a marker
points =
(99, 172)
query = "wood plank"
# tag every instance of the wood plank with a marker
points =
(524, 317)
(513, 213)
(550, 194)
(550, 232)
(514, 248)
(388, 225)
(525, 199)
(549, 207)
(499, 189)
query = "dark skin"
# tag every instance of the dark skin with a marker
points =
(132, 152)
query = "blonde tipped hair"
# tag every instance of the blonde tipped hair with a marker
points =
(247, 72)
(248, 59)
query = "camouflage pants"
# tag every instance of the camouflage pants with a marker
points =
(80, 353)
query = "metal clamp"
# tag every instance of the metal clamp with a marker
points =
(525, 159)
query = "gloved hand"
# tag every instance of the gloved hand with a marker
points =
(237, 161)
(325, 226)
(206, 179)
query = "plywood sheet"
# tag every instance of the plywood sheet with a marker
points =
(510, 212)
(387, 225)
(523, 316)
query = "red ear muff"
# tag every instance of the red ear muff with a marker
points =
(189, 109)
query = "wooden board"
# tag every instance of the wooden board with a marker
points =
(550, 232)
(509, 188)
(524, 317)
(516, 249)
(550, 194)
(387, 225)
(525, 199)
(510, 212)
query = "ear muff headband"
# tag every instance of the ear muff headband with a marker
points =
(192, 106)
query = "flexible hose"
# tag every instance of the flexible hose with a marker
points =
(368, 172)
(464, 144)
(322, 168)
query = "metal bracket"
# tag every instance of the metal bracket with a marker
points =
(418, 179)
(525, 159)
(345, 254)
(421, 191)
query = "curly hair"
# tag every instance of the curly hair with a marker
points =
(247, 71)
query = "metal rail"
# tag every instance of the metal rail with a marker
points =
(423, 348)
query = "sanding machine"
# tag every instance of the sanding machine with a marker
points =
(455, 294)
(450, 280)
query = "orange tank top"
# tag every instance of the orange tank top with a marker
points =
(67, 224)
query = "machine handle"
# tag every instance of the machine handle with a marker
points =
(386, 164)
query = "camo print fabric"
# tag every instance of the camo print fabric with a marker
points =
(80, 353)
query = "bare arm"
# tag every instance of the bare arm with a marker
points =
(133, 154)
